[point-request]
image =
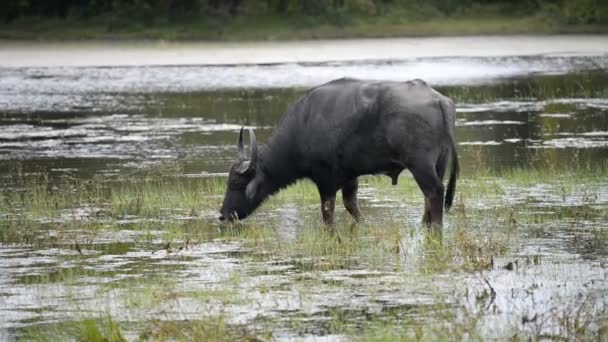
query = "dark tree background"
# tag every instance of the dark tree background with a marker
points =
(152, 11)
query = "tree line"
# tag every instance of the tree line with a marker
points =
(570, 11)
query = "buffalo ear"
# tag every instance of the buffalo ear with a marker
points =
(245, 167)
(252, 188)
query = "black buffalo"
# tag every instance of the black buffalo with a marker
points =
(346, 128)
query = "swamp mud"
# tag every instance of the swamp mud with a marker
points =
(112, 179)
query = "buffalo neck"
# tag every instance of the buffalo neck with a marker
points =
(277, 167)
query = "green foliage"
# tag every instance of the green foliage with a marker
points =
(585, 12)
(140, 10)
(334, 12)
(571, 12)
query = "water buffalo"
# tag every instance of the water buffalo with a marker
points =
(346, 128)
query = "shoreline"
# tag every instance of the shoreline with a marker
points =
(16, 54)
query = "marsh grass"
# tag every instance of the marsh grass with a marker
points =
(547, 88)
(151, 198)
(214, 328)
(492, 211)
(106, 329)
(185, 208)
(102, 329)
(378, 246)
(41, 197)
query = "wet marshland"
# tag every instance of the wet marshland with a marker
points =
(112, 177)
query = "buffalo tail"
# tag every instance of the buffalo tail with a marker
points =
(455, 167)
(451, 190)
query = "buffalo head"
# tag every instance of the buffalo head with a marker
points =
(238, 201)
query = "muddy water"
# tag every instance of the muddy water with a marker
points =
(86, 122)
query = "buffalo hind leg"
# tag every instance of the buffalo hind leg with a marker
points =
(349, 197)
(440, 168)
(431, 186)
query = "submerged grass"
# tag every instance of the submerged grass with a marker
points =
(106, 329)
(572, 322)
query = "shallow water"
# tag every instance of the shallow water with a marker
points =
(115, 124)
(197, 128)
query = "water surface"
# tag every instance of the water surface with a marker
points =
(69, 127)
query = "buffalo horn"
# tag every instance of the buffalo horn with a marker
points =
(239, 145)
(254, 147)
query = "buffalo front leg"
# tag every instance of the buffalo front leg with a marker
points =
(349, 197)
(426, 218)
(433, 190)
(328, 204)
